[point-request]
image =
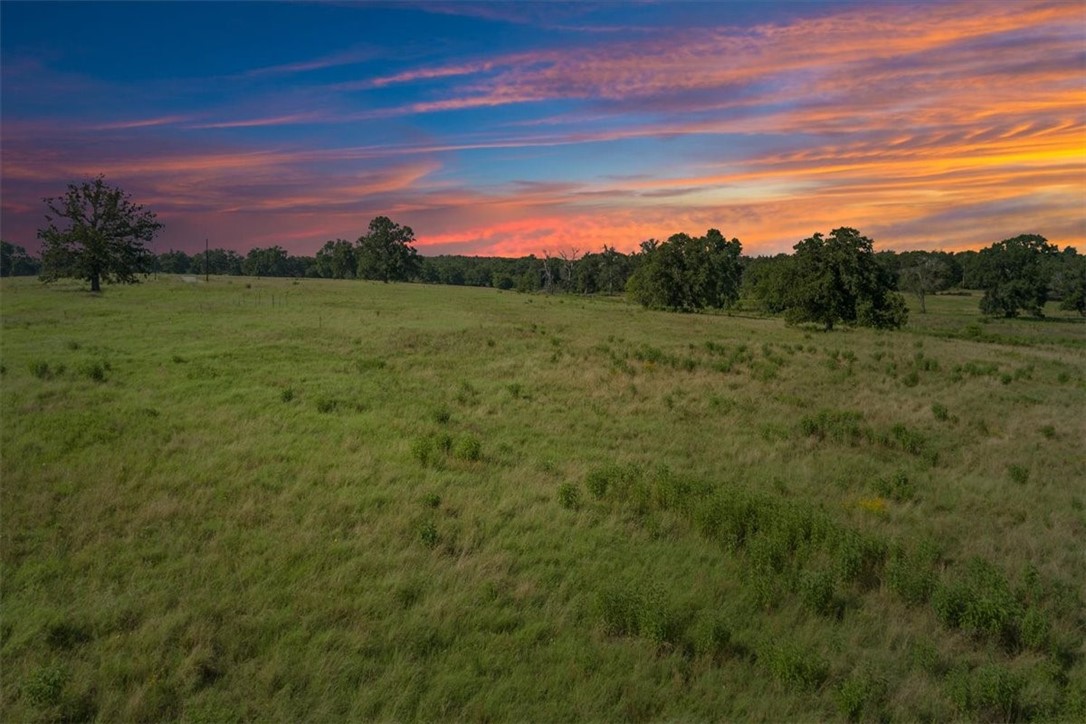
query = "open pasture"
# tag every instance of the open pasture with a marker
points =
(319, 500)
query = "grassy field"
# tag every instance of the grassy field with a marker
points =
(322, 500)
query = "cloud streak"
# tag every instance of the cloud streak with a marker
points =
(921, 124)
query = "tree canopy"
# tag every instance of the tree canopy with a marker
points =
(95, 232)
(836, 279)
(1014, 275)
(385, 252)
(688, 273)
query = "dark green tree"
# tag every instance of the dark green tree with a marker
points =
(769, 280)
(269, 262)
(337, 260)
(385, 252)
(1069, 282)
(95, 232)
(688, 273)
(16, 262)
(1014, 275)
(837, 279)
(177, 262)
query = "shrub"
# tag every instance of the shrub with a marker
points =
(45, 686)
(40, 369)
(896, 487)
(431, 500)
(981, 603)
(859, 694)
(431, 450)
(940, 412)
(907, 440)
(468, 447)
(989, 692)
(1019, 474)
(287, 395)
(619, 607)
(794, 667)
(816, 590)
(442, 416)
(569, 496)
(428, 534)
(909, 572)
(95, 371)
(841, 426)
(370, 363)
(709, 636)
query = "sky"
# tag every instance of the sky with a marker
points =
(513, 128)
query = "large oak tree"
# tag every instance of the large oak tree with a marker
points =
(95, 232)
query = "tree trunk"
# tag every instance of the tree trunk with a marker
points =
(95, 283)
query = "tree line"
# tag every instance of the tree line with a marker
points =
(95, 233)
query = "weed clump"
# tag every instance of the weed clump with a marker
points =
(940, 412)
(431, 450)
(990, 692)
(896, 487)
(468, 447)
(569, 496)
(42, 371)
(842, 426)
(1019, 474)
(287, 395)
(95, 371)
(794, 667)
(860, 694)
(427, 532)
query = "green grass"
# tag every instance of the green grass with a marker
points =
(324, 500)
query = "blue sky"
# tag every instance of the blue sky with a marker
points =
(514, 128)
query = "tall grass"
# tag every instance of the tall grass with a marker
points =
(411, 502)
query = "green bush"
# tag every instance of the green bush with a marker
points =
(860, 694)
(816, 591)
(467, 447)
(427, 532)
(910, 572)
(431, 450)
(95, 371)
(46, 685)
(1019, 474)
(896, 487)
(842, 426)
(990, 692)
(569, 496)
(794, 667)
(40, 369)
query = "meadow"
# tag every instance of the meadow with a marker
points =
(277, 500)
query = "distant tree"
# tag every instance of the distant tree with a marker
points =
(95, 232)
(837, 279)
(269, 262)
(688, 273)
(385, 252)
(926, 274)
(16, 262)
(218, 261)
(337, 260)
(176, 262)
(1069, 282)
(769, 280)
(1014, 275)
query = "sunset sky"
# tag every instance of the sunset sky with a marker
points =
(513, 128)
